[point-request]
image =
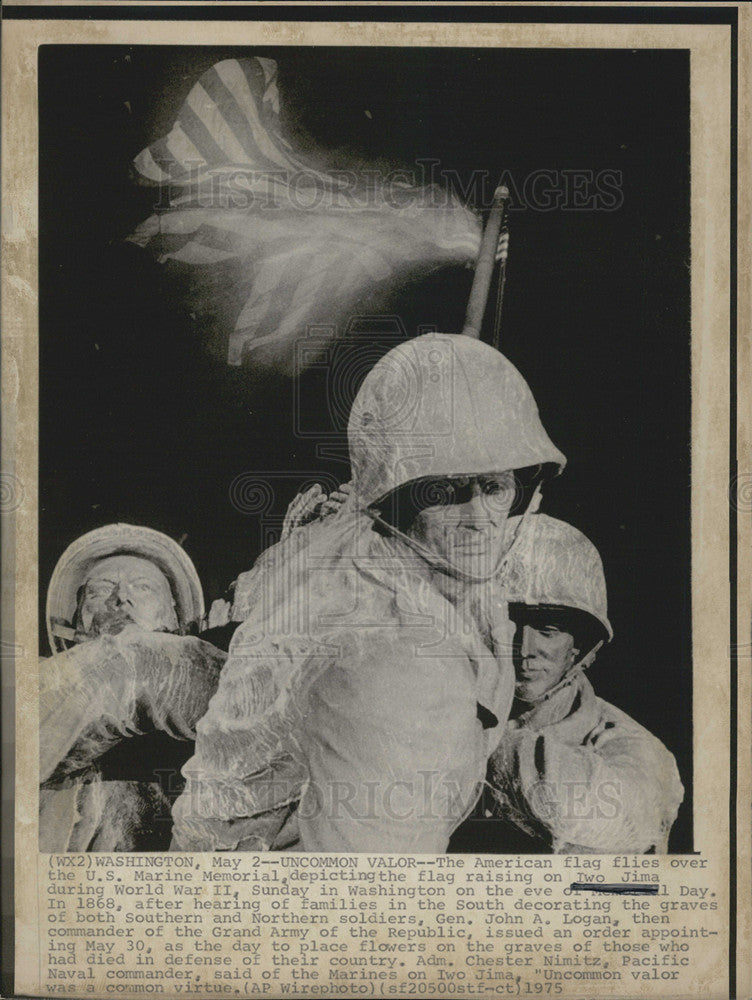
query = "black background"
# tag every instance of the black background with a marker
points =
(140, 423)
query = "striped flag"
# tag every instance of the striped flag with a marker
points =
(308, 242)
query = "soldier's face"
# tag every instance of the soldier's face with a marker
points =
(127, 588)
(542, 653)
(466, 526)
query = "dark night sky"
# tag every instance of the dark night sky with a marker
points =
(139, 423)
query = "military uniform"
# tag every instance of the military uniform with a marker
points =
(359, 703)
(572, 773)
(118, 712)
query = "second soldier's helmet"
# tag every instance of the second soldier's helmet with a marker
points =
(555, 565)
(444, 405)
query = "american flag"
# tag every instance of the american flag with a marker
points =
(309, 242)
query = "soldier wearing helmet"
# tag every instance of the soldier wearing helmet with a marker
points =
(571, 773)
(362, 694)
(120, 697)
(120, 573)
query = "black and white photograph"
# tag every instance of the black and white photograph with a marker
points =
(364, 450)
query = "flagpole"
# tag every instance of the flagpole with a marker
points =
(476, 305)
(496, 341)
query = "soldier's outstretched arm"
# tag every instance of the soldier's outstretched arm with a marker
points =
(619, 792)
(118, 686)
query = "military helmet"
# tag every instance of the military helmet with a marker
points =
(443, 405)
(121, 539)
(554, 564)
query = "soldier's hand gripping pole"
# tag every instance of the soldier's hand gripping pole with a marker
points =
(476, 305)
